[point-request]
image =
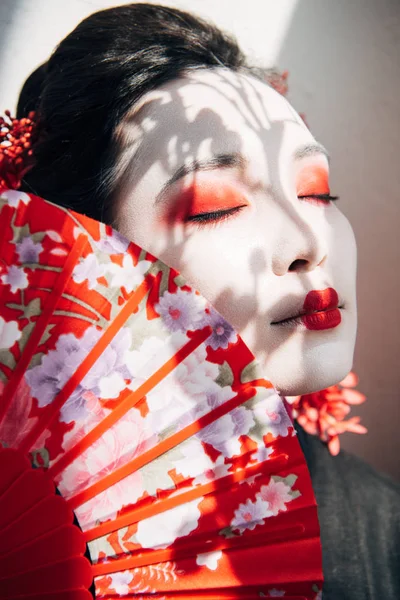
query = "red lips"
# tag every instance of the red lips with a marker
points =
(325, 303)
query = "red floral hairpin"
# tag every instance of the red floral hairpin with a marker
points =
(16, 137)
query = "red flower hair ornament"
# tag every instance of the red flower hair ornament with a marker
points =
(16, 138)
(321, 413)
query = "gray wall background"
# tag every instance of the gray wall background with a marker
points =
(344, 63)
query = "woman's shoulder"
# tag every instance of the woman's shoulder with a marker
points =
(359, 514)
(348, 474)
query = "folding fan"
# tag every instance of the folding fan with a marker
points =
(130, 405)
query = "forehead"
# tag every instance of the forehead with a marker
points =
(211, 111)
(228, 93)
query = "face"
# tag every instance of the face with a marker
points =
(226, 184)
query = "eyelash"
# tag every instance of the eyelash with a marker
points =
(213, 217)
(325, 197)
(216, 217)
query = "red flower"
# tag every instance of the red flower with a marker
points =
(323, 413)
(15, 149)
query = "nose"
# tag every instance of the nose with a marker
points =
(301, 246)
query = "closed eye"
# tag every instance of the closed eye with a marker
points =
(214, 216)
(325, 197)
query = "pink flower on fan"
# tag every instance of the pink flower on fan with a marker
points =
(128, 438)
(277, 494)
(28, 251)
(250, 514)
(222, 334)
(113, 243)
(16, 278)
(180, 311)
(323, 413)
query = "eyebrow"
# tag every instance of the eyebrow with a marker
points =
(219, 161)
(311, 150)
(236, 159)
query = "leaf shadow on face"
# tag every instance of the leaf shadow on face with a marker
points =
(170, 123)
(172, 127)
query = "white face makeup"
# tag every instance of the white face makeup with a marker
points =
(240, 218)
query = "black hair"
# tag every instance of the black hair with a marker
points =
(93, 78)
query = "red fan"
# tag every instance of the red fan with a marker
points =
(125, 391)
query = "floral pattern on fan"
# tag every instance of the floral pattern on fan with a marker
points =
(145, 407)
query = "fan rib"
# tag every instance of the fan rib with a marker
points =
(240, 594)
(151, 557)
(42, 322)
(129, 402)
(87, 364)
(269, 466)
(153, 453)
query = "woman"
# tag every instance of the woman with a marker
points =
(151, 120)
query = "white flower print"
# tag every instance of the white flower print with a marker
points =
(216, 395)
(181, 397)
(215, 471)
(170, 405)
(220, 435)
(195, 461)
(180, 311)
(9, 333)
(28, 251)
(277, 494)
(250, 514)
(14, 197)
(224, 433)
(209, 559)
(152, 354)
(271, 413)
(55, 236)
(128, 276)
(242, 419)
(16, 278)
(262, 453)
(160, 531)
(120, 582)
(274, 593)
(88, 269)
(107, 376)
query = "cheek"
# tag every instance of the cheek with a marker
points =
(342, 250)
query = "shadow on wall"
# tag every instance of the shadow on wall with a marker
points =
(7, 12)
(348, 87)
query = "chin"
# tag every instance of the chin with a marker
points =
(314, 381)
(311, 368)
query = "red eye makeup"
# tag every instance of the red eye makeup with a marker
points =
(204, 202)
(312, 182)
